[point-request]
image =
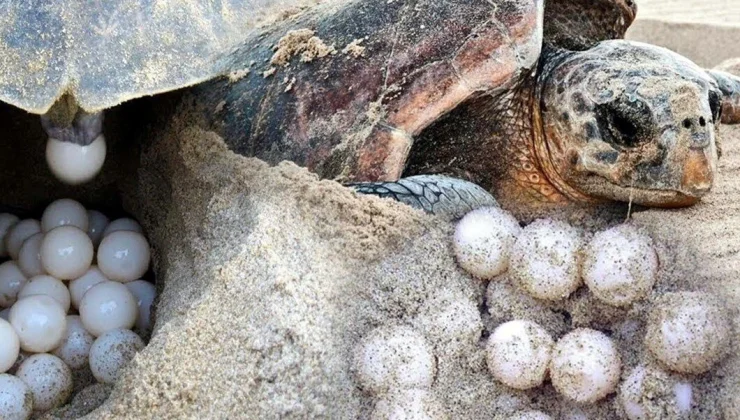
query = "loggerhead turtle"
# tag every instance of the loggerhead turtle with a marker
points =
(70, 60)
(540, 103)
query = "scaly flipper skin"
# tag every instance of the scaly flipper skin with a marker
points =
(730, 86)
(354, 118)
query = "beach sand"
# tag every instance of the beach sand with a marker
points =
(268, 278)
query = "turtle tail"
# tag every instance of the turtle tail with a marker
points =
(450, 198)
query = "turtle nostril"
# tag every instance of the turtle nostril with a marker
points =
(687, 123)
(702, 121)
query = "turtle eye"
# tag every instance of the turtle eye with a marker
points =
(623, 123)
(715, 104)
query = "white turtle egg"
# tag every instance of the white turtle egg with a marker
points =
(144, 293)
(5, 314)
(530, 415)
(75, 346)
(544, 260)
(79, 286)
(18, 234)
(98, 222)
(10, 346)
(123, 256)
(649, 390)
(124, 223)
(585, 365)
(7, 221)
(620, 265)
(408, 404)
(688, 331)
(64, 212)
(49, 286)
(66, 252)
(108, 306)
(29, 256)
(12, 280)
(483, 241)
(518, 353)
(16, 398)
(74, 164)
(394, 358)
(111, 352)
(40, 322)
(49, 379)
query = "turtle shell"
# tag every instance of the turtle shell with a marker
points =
(103, 53)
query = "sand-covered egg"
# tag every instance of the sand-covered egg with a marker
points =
(585, 365)
(408, 404)
(12, 281)
(620, 265)
(75, 346)
(518, 354)
(49, 286)
(108, 306)
(649, 393)
(18, 234)
(75, 164)
(545, 259)
(40, 322)
(124, 256)
(529, 415)
(66, 252)
(688, 331)
(64, 212)
(16, 398)
(7, 221)
(111, 352)
(49, 379)
(483, 241)
(79, 286)
(394, 357)
(10, 346)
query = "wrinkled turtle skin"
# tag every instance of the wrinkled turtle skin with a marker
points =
(542, 104)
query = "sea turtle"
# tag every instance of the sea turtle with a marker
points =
(539, 102)
(70, 60)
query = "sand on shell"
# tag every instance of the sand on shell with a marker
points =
(268, 278)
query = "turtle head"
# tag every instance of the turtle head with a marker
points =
(630, 122)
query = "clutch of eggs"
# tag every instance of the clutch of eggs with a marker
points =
(71, 297)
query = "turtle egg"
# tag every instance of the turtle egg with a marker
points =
(394, 358)
(124, 223)
(585, 365)
(408, 404)
(18, 234)
(49, 286)
(108, 306)
(688, 331)
(530, 415)
(75, 346)
(12, 280)
(648, 391)
(544, 260)
(64, 212)
(79, 286)
(7, 221)
(66, 252)
(123, 256)
(9, 346)
(75, 164)
(144, 294)
(111, 352)
(40, 322)
(49, 379)
(620, 265)
(483, 241)
(5, 314)
(518, 353)
(98, 222)
(16, 398)
(29, 256)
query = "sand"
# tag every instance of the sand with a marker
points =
(268, 278)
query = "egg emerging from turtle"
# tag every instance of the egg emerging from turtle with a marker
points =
(74, 164)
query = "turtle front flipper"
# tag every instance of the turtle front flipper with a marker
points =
(450, 198)
(729, 85)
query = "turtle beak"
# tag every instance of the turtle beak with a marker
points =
(698, 172)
